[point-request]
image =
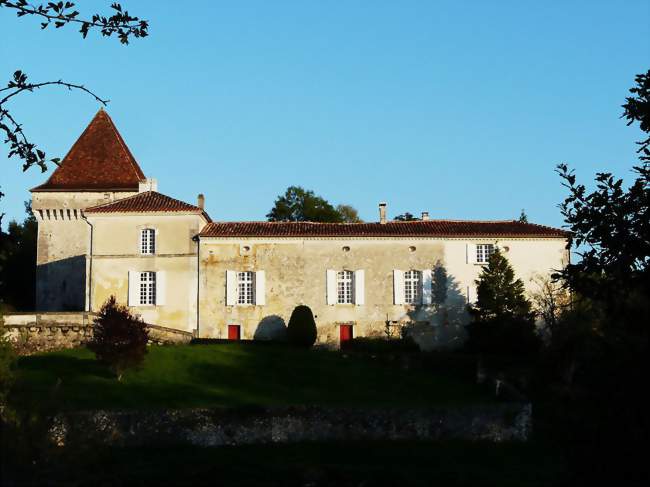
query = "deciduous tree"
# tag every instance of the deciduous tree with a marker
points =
(300, 205)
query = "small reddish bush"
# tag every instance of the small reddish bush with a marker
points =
(119, 338)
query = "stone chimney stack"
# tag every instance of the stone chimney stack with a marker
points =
(148, 184)
(425, 216)
(382, 213)
(200, 201)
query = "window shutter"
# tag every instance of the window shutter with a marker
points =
(161, 287)
(426, 286)
(359, 287)
(398, 286)
(471, 253)
(134, 288)
(471, 294)
(330, 284)
(231, 288)
(260, 288)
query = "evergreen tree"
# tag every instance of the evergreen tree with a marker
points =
(301, 330)
(523, 218)
(502, 319)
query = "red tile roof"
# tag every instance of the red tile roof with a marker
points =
(147, 202)
(431, 228)
(98, 160)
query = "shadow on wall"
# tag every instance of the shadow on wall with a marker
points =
(61, 285)
(442, 324)
(271, 327)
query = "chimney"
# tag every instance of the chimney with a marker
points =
(382, 213)
(425, 216)
(148, 184)
(200, 201)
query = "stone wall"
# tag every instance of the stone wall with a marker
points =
(217, 427)
(42, 332)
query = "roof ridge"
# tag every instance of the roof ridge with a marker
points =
(119, 200)
(433, 220)
(125, 147)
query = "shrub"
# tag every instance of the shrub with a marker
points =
(301, 330)
(119, 338)
(7, 376)
(380, 345)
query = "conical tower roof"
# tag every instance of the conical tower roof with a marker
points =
(99, 160)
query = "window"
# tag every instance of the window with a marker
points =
(344, 287)
(412, 287)
(148, 241)
(245, 287)
(147, 288)
(483, 253)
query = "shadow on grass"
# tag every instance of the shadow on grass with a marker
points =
(232, 376)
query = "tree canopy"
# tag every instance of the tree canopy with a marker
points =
(611, 225)
(300, 205)
(406, 217)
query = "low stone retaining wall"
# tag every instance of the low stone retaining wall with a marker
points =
(42, 332)
(209, 427)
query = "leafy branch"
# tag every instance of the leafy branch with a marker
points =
(120, 23)
(19, 145)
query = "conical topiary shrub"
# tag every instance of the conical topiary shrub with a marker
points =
(301, 330)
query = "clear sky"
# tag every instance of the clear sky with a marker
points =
(456, 107)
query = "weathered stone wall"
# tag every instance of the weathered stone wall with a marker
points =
(295, 273)
(213, 427)
(64, 246)
(42, 332)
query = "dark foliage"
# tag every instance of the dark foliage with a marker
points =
(18, 264)
(380, 345)
(406, 217)
(301, 205)
(60, 14)
(301, 330)
(7, 373)
(601, 345)
(121, 23)
(502, 319)
(523, 218)
(119, 338)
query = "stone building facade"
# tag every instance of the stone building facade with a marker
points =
(104, 229)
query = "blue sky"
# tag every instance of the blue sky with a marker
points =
(459, 108)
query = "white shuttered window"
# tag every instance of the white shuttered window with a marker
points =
(344, 280)
(412, 287)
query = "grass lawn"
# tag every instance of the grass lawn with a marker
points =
(238, 374)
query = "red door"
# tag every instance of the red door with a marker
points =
(233, 332)
(346, 333)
